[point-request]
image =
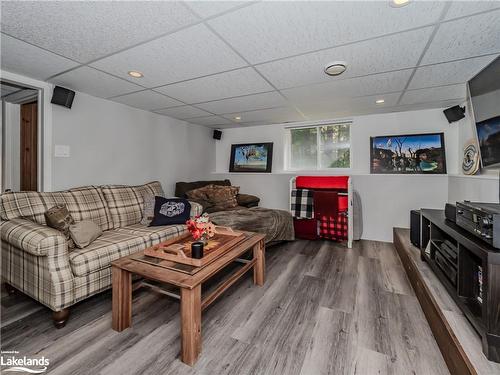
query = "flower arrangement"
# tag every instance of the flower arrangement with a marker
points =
(201, 228)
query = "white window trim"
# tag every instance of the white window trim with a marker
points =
(318, 124)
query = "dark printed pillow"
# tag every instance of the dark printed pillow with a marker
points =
(169, 211)
(58, 217)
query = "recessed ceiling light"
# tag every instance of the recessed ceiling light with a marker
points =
(398, 3)
(237, 118)
(135, 74)
(336, 68)
(380, 101)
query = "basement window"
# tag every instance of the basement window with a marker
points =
(318, 147)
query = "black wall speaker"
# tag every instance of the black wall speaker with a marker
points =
(454, 113)
(62, 96)
(415, 228)
(217, 134)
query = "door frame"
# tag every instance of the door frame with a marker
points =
(45, 160)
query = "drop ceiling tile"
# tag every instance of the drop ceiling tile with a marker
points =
(183, 113)
(381, 55)
(94, 82)
(91, 29)
(23, 58)
(210, 121)
(211, 8)
(263, 31)
(349, 88)
(186, 54)
(245, 103)
(434, 94)
(147, 100)
(466, 37)
(269, 116)
(448, 73)
(220, 86)
(465, 8)
(346, 106)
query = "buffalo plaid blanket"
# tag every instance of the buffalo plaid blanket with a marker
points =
(302, 203)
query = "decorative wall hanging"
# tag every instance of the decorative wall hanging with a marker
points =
(470, 164)
(408, 154)
(251, 157)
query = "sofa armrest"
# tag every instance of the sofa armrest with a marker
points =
(196, 209)
(247, 200)
(31, 237)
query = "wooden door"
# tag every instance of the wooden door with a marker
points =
(29, 146)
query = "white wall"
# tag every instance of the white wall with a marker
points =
(111, 143)
(483, 187)
(11, 124)
(386, 200)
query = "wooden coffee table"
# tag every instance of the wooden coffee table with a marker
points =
(189, 279)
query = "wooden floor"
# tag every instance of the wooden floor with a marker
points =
(324, 309)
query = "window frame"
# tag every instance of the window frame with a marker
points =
(288, 146)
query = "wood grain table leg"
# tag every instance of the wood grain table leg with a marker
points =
(190, 324)
(259, 270)
(122, 299)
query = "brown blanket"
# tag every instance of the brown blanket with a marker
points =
(277, 225)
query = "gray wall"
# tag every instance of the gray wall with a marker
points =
(111, 143)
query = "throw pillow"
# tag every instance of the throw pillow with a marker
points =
(84, 233)
(200, 193)
(148, 211)
(170, 211)
(219, 198)
(58, 217)
(223, 197)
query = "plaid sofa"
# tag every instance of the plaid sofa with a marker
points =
(36, 260)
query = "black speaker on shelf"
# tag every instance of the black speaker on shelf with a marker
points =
(450, 212)
(415, 227)
(62, 96)
(454, 113)
(217, 134)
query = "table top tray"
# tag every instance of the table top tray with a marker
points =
(178, 250)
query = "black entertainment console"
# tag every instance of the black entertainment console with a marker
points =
(469, 268)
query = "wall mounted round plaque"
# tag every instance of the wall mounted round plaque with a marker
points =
(470, 164)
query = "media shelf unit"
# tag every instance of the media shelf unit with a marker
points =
(472, 279)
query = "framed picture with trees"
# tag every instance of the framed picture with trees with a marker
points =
(408, 154)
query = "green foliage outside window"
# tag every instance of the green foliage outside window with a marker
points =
(320, 147)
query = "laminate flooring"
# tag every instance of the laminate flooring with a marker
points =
(324, 309)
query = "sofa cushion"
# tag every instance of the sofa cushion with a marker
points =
(126, 203)
(84, 203)
(110, 246)
(155, 234)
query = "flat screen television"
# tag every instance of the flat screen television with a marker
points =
(484, 91)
